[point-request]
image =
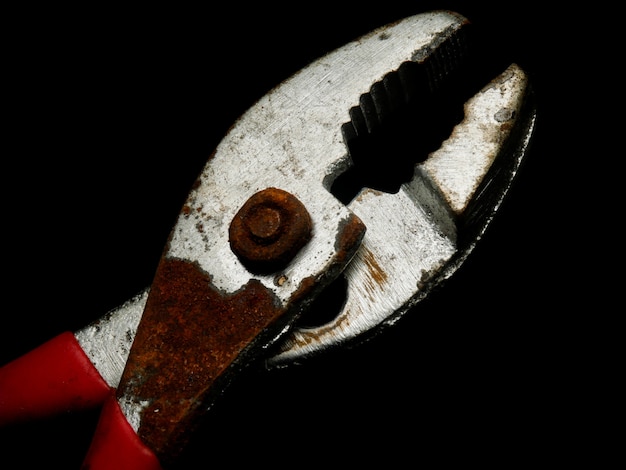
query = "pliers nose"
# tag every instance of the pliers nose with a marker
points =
(420, 235)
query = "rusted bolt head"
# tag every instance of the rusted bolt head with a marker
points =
(269, 229)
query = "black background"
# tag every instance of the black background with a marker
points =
(111, 114)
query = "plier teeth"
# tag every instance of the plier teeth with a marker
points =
(267, 228)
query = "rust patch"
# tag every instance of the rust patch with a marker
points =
(351, 234)
(348, 241)
(376, 272)
(269, 229)
(189, 338)
(304, 290)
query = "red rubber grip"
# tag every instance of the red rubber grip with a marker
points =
(116, 446)
(55, 377)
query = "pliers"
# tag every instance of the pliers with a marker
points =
(287, 206)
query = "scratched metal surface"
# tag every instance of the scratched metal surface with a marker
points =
(412, 242)
(292, 138)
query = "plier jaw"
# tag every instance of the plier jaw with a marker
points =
(160, 360)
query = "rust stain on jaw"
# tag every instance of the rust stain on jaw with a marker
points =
(376, 272)
(377, 278)
(349, 239)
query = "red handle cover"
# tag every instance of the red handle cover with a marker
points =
(55, 377)
(116, 446)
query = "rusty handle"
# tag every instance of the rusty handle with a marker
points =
(191, 341)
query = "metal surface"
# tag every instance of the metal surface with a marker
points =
(412, 238)
(208, 314)
(292, 138)
(108, 340)
(294, 135)
(418, 237)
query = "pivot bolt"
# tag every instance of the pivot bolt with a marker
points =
(269, 229)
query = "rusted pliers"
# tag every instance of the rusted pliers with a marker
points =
(287, 204)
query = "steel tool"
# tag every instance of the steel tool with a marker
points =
(305, 191)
